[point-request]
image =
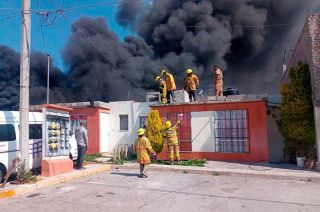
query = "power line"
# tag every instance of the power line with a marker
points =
(8, 9)
(97, 5)
(203, 26)
(115, 66)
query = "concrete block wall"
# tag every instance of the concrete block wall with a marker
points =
(308, 50)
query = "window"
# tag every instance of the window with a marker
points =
(35, 131)
(142, 121)
(231, 131)
(124, 122)
(7, 132)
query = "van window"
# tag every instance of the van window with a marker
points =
(7, 132)
(35, 131)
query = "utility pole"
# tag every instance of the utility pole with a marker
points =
(284, 66)
(24, 82)
(48, 78)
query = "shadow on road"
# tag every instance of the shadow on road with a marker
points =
(126, 174)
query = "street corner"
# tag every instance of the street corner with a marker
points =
(94, 169)
(17, 190)
(7, 193)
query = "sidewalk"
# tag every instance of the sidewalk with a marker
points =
(13, 190)
(263, 170)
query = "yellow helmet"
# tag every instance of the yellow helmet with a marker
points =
(163, 72)
(189, 71)
(157, 78)
(140, 131)
(168, 124)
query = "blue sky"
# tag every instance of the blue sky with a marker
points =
(56, 35)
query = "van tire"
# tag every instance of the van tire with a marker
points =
(3, 172)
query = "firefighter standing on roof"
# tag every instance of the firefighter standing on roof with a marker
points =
(218, 81)
(162, 89)
(171, 85)
(191, 84)
(170, 134)
(143, 148)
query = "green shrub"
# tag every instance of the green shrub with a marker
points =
(296, 112)
(154, 129)
(194, 162)
(92, 157)
(24, 175)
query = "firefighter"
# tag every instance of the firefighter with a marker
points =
(162, 89)
(218, 80)
(143, 149)
(171, 85)
(170, 134)
(191, 84)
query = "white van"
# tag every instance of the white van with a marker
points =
(9, 140)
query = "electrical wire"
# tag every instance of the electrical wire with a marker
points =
(115, 66)
(97, 5)
(203, 26)
(72, 9)
(10, 9)
(132, 51)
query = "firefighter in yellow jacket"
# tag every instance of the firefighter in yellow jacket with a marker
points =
(170, 134)
(162, 89)
(171, 85)
(191, 84)
(218, 80)
(143, 149)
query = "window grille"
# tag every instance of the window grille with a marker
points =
(231, 131)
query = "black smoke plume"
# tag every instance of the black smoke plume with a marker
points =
(10, 80)
(246, 37)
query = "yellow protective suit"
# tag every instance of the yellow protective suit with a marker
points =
(218, 82)
(143, 149)
(172, 138)
(191, 83)
(170, 83)
(163, 91)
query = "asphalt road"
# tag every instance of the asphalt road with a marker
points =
(122, 190)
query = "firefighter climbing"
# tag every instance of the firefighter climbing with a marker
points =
(143, 149)
(218, 80)
(191, 84)
(171, 85)
(170, 134)
(162, 89)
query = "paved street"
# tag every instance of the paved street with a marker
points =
(122, 190)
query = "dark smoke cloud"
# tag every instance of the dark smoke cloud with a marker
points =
(168, 34)
(10, 80)
(230, 33)
(104, 68)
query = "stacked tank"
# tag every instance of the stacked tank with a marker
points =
(57, 136)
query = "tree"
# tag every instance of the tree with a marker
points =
(153, 132)
(296, 112)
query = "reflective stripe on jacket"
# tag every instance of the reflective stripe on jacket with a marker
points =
(171, 135)
(162, 87)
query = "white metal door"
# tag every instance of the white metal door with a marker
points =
(104, 132)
